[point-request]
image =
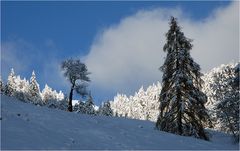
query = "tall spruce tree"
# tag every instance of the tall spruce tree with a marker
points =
(182, 102)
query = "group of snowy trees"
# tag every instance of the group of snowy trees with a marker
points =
(86, 107)
(143, 105)
(29, 91)
(222, 88)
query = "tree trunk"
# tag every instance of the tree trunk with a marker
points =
(179, 116)
(70, 98)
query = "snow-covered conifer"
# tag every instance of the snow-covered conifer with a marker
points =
(182, 102)
(105, 109)
(2, 86)
(10, 88)
(80, 107)
(22, 90)
(63, 104)
(89, 105)
(34, 90)
(47, 94)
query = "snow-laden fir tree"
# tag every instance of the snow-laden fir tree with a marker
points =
(77, 74)
(22, 89)
(34, 90)
(105, 109)
(79, 107)
(182, 102)
(2, 86)
(48, 94)
(10, 87)
(89, 105)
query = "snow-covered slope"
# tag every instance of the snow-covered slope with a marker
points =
(25, 126)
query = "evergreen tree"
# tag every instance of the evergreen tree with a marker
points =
(182, 108)
(22, 89)
(89, 105)
(10, 88)
(34, 90)
(62, 104)
(2, 87)
(47, 94)
(80, 107)
(77, 73)
(105, 109)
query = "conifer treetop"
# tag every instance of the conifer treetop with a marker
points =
(176, 37)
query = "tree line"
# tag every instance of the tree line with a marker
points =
(29, 91)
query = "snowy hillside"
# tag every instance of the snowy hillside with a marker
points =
(25, 126)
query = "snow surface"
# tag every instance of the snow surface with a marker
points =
(25, 126)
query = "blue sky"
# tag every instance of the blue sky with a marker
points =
(39, 35)
(72, 26)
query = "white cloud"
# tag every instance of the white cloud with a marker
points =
(12, 56)
(128, 55)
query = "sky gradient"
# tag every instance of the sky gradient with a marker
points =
(112, 38)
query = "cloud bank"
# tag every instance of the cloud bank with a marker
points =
(127, 55)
